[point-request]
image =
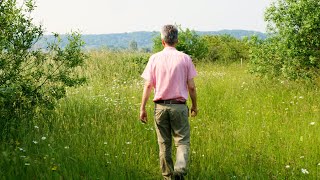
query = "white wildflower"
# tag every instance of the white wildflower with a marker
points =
(36, 127)
(27, 164)
(304, 171)
(312, 123)
(66, 147)
(301, 157)
(128, 142)
(105, 143)
(287, 166)
(300, 97)
(35, 142)
(43, 138)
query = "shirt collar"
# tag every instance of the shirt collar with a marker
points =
(169, 48)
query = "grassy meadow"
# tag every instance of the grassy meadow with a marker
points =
(247, 128)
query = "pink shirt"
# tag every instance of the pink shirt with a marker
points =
(168, 71)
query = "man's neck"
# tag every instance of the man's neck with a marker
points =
(168, 46)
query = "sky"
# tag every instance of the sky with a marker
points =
(118, 16)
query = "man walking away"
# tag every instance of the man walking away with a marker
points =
(170, 73)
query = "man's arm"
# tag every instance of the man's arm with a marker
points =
(193, 96)
(145, 96)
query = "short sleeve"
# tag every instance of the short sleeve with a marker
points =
(191, 69)
(147, 73)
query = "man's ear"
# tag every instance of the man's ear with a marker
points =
(163, 43)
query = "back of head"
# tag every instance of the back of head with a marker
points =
(169, 33)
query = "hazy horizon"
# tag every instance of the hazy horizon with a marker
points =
(124, 16)
(49, 33)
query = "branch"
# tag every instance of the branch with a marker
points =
(47, 78)
(31, 47)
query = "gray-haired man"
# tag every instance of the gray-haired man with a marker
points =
(170, 73)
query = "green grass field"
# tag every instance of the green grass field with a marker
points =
(247, 128)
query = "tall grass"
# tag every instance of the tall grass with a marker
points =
(247, 128)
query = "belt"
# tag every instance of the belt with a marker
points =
(170, 101)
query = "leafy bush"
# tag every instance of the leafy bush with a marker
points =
(189, 42)
(294, 45)
(140, 61)
(225, 49)
(264, 58)
(32, 80)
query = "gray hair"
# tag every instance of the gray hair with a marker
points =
(169, 33)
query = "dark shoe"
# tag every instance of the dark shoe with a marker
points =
(178, 176)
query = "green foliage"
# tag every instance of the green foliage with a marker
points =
(214, 48)
(189, 42)
(133, 45)
(120, 65)
(295, 41)
(225, 49)
(135, 63)
(31, 81)
(140, 61)
(264, 60)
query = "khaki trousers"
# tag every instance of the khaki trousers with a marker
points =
(171, 120)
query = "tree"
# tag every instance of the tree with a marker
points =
(294, 43)
(133, 45)
(189, 42)
(32, 80)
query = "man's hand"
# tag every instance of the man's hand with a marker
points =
(194, 111)
(145, 96)
(143, 116)
(193, 95)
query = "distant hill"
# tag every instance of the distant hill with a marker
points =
(235, 33)
(143, 38)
